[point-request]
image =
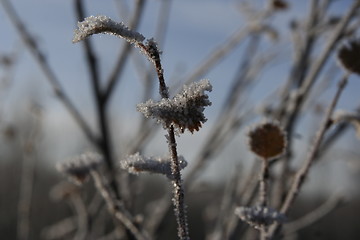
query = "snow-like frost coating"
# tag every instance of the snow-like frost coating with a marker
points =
(103, 24)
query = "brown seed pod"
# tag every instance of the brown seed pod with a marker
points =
(267, 140)
(348, 56)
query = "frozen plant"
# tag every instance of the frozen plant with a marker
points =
(137, 163)
(259, 216)
(184, 111)
(78, 168)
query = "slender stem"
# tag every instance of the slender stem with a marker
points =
(31, 44)
(101, 106)
(115, 209)
(123, 57)
(304, 170)
(178, 191)
(263, 187)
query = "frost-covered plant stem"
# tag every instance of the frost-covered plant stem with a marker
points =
(263, 188)
(115, 209)
(178, 191)
(263, 193)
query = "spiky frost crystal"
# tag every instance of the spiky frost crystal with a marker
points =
(259, 216)
(103, 24)
(184, 111)
(137, 163)
(79, 167)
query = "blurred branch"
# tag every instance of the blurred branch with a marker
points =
(327, 207)
(29, 150)
(119, 67)
(40, 58)
(304, 170)
(103, 121)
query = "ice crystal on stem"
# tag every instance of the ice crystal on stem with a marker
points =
(137, 163)
(184, 111)
(78, 168)
(259, 216)
(103, 24)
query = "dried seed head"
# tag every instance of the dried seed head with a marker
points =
(103, 24)
(267, 140)
(184, 111)
(137, 163)
(79, 167)
(348, 56)
(259, 216)
(279, 4)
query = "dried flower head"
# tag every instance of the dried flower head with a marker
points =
(103, 24)
(137, 163)
(259, 216)
(79, 167)
(267, 140)
(279, 4)
(184, 111)
(348, 56)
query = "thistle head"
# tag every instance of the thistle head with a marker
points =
(184, 111)
(267, 140)
(348, 56)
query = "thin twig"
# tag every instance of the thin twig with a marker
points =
(115, 209)
(119, 67)
(303, 171)
(319, 213)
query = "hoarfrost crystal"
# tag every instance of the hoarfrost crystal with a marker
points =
(184, 111)
(137, 163)
(259, 216)
(102, 24)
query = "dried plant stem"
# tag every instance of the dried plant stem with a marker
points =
(327, 207)
(263, 193)
(101, 104)
(263, 187)
(178, 191)
(115, 209)
(31, 44)
(303, 171)
(82, 216)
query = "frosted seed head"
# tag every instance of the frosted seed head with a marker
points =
(103, 24)
(348, 56)
(184, 111)
(267, 140)
(79, 167)
(259, 216)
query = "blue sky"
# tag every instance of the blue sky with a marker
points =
(195, 28)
